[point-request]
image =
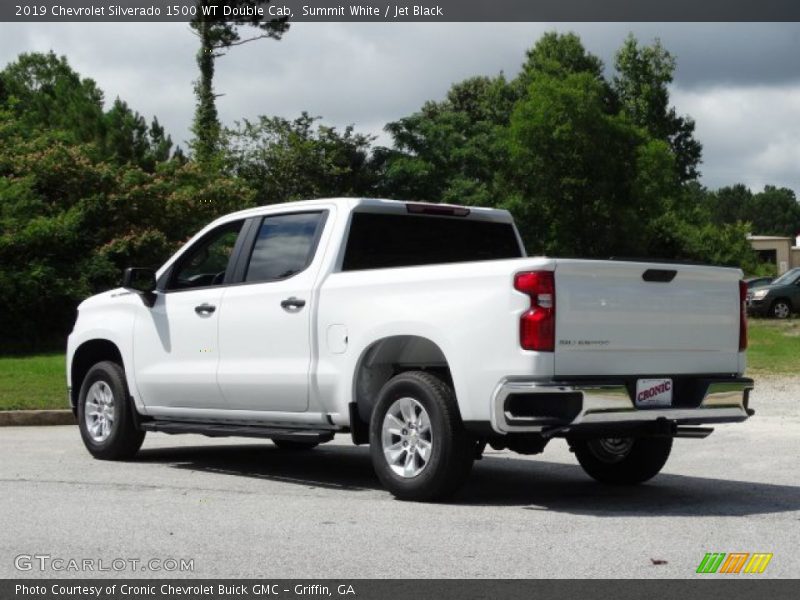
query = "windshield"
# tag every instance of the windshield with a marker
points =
(787, 277)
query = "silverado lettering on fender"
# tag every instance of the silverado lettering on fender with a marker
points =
(423, 330)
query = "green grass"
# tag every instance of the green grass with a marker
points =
(38, 381)
(29, 382)
(773, 347)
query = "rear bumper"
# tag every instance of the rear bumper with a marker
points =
(571, 406)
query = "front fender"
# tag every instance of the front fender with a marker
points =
(109, 317)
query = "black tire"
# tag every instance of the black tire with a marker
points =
(642, 460)
(294, 445)
(452, 449)
(125, 438)
(780, 309)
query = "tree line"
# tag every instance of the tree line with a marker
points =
(590, 164)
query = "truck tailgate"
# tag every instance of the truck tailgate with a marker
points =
(626, 318)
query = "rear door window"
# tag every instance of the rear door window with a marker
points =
(378, 241)
(284, 246)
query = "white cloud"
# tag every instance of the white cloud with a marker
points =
(365, 74)
(750, 135)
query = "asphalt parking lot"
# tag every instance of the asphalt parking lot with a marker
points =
(243, 508)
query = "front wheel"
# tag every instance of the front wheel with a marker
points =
(622, 461)
(419, 447)
(105, 414)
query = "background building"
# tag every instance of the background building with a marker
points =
(783, 252)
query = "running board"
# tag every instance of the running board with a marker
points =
(225, 430)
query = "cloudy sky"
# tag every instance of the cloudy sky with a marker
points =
(740, 82)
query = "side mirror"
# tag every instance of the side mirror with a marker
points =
(141, 280)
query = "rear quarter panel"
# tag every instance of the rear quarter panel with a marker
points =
(469, 310)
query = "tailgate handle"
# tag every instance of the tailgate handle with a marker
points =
(659, 275)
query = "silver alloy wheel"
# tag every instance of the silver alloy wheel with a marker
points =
(611, 450)
(99, 411)
(406, 437)
(781, 310)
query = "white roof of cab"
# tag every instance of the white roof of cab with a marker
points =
(378, 204)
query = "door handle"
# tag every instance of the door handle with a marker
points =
(205, 309)
(293, 303)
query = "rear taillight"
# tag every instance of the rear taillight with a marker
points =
(537, 327)
(742, 316)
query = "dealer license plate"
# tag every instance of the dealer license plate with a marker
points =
(651, 393)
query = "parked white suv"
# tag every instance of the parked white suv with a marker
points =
(421, 329)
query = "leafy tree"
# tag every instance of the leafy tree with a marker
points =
(128, 138)
(687, 230)
(558, 55)
(451, 151)
(773, 211)
(218, 34)
(290, 160)
(705, 242)
(730, 204)
(456, 150)
(70, 221)
(582, 176)
(642, 87)
(43, 92)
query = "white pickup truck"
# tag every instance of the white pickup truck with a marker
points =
(423, 330)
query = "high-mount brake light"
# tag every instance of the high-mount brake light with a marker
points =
(742, 316)
(537, 326)
(444, 210)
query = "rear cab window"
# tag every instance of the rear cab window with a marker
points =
(380, 240)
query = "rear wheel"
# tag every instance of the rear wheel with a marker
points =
(419, 447)
(105, 414)
(622, 460)
(294, 445)
(781, 309)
